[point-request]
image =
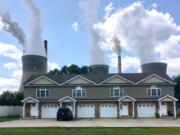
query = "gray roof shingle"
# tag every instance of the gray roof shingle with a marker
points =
(98, 78)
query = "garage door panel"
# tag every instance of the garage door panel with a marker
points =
(108, 111)
(86, 111)
(49, 110)
(146, 110)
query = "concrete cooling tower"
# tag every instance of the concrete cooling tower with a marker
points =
(155, 67)
(34, 64)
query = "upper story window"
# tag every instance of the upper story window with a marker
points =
(78, 92)
(116, 92)
(42, 93)
(154, 91)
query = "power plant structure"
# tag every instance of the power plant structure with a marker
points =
(99, 69)
(154, 67)
(34, 64)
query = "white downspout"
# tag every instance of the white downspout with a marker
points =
(133, 108)
(24, 106)
(160, 109)
(174, 109)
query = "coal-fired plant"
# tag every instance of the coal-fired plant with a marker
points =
(99, 69)
(154, 67)
(34, 64)
(119, 64)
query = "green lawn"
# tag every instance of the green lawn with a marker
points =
(90, 131)
(8, 118)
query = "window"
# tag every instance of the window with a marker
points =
(78, 92)
(116, 92)
(42, 93)
(154, 91)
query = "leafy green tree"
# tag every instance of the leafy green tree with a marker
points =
(55, 71)
(19, 96)
(84, 70)
(11, 98)
(177, 88)
(72, 69)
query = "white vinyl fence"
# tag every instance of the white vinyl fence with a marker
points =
(10, 110)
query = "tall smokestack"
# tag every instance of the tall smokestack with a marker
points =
(46, 47)
(119, 64)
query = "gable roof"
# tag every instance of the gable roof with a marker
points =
(78, 76)
(96, 79)
(44, 77)
(157, 76)
(29, 98)
(67, 97)
(118, 76)
(168, 96)
(128, 97)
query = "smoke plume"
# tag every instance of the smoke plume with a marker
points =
(89, 10)
(140, 30)
(34, 42)
(12, 27)
(116, 45)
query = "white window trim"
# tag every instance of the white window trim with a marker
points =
(120, 91)
(76, 89)
(154, 87)
(42, 89)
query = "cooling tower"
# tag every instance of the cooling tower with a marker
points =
(99, 69)
(155, 67)
(33, 64)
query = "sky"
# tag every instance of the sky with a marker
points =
(148, 31)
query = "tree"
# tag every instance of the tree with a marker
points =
(55, 72)
(177, 88)
(11, 98)
(72, 69)
(84, 70)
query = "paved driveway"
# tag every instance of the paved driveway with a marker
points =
(93, 123)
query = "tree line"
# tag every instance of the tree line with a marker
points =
(8, 98)
(72, 69)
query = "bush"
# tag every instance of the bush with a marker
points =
(157, 115)
(11, 98)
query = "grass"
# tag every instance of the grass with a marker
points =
(9, 118)
(90, 131)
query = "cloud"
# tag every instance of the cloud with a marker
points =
(10, 51)
(11, 84)
(108, 9)
(170, 48)
(139, 29)
(128, 62)
(53, 65)
(10, 65)
(1, 25)
(75, 26)
(147, 34)
(154, 5)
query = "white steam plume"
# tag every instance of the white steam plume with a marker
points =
(141, 30)
(34, 42)
(116, 45)
(89, 9)
(12, 27)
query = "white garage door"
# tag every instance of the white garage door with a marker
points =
(86, 111)
(49, 110)
(146, 110)
(108, 111)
